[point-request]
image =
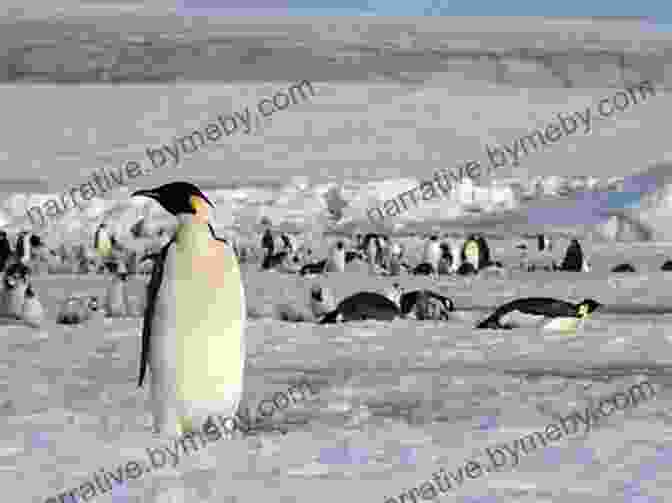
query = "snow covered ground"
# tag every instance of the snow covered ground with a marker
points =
(71, 405)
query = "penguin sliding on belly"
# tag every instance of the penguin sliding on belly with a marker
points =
(193, 331)
(547, 313)
(363, 306)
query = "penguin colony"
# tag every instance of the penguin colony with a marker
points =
(194, 308)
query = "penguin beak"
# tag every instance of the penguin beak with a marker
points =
(202, 196)
(146, 193)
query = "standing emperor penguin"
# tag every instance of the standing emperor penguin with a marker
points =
(432, 252)
(194, 324)
(336, 262)
(23, 248)
(455, 252)
(32, 312)
(471, 252)
(102, 242)
(116, 299)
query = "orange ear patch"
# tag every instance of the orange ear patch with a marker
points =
(197, 204)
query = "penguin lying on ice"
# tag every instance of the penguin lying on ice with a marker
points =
(623, 268)
(314, 268)
(421, 304)
(78, 309)
(409, 302)
(548, 313)
(363, 306)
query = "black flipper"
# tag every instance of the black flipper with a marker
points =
(330, 317)
(223, 240)
(152, 293)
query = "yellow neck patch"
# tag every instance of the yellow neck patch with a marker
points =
(199, 206)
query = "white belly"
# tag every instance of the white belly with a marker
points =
(197, 354)
(521, 320)
(432, 254)
(518, 319)
(563, 324)
(116, 302)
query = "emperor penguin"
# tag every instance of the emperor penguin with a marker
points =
(321, 301)
(363, 306)
(541, 312)
(32, 312)
(116, 301)
(194, 325)
(455, 252)
(574, 259)
(336, 262)
(102, 241)
(372, 252)
(23, 248)
(471, 252)
(432, 252)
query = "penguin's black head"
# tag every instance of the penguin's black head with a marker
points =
(586, 307)
(316, 292)
(29, 292)
(123, 276)
(434, 238)
(340, 245)
(177, 197)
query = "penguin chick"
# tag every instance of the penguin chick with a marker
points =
(547, 313)
(321, 301)
(116, 300)
(33, 312)
(75, 310)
